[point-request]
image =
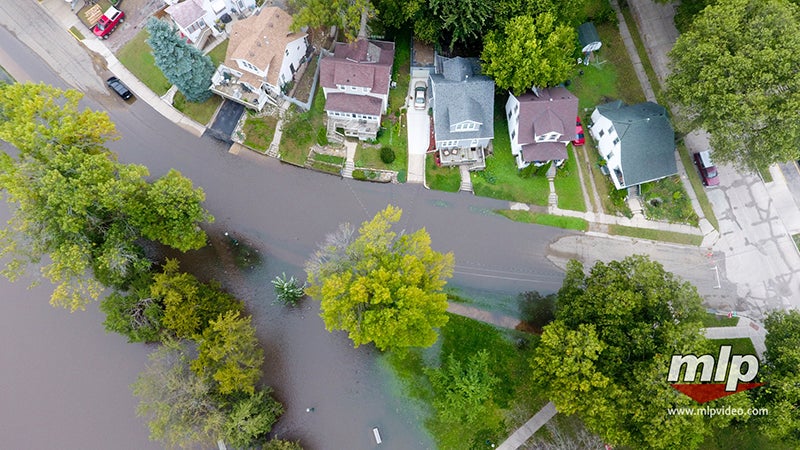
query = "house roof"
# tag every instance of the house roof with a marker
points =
(461, 94)
(359, 104)
(587, 34)
(186, 13)
(363, 63)
(544, 151)
(261, 40)
(647, 140)
(553, 110)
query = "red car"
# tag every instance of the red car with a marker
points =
(579, 138)
(708, 172)
(108, 22)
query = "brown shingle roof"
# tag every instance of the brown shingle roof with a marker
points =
(261, 40)
(360, 104)
(554, 109)
(361, 63)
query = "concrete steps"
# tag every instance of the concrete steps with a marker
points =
(347, 172)
(466, 181)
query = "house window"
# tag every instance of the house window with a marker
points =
(602, 133)
(610, 155)
(287, 52)
(516, 108)
(616, 141)
(509, 114)
(513, 134)
(611, 129)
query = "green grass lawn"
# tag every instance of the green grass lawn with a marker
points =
(666, 199)
(136, 56)
(569, 223)
(742, 436)
(656, 235)
(217, 55)
(300, 130)
(401, 72)
(501, 179)
(741, 346)
(462, 338)
(711, 320)
(394, 136)
(259, 131)
(568, 184)
(200, 112)
(697, 185)
(441, 178)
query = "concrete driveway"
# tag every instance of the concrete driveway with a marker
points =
(419, 127)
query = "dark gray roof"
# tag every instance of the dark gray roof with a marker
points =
(587, 34)
(647, 140)
(460, 94)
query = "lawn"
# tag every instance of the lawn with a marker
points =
(509, 352)
(796, 239)
(301, 129)
(258, 131)
(441, 178)
(697, 185)
(742, 436)
(136, 56)
(612, 199)
(401, 73)
(566, 222)
(711, 320)
(217, 55)
(200, 112)
(392, 135)
(666, 199)
(568, 184)
(740, 346)
(501, 179)
(656, 235)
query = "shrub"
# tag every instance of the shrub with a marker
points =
(359, 174)
(322, 136)
(387, 155)
(288, 291)
(402, 176)
(537, 310)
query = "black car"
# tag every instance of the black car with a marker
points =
(119, 88)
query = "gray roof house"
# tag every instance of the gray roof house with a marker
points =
(588, 38)
(637, 142)
(541, 124)
(463, 112)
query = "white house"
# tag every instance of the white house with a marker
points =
(463, 112)
(636, 141)
(197, 20)
(355, 81)
(263, 55)
(541, 124)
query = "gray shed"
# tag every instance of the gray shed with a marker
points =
(588, 37)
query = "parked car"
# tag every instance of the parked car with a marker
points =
(708, 172)
(580, 139)
(419, 95)
(108, 22)
(118, 87)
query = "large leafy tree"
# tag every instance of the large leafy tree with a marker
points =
(184, 65)
(344, 14)
(251, 418)
(781, 394)
(464, 21)
(135, 314)
(609, 351)
(463, 390)
(529, 53)
(229, 355)
(734, 73)
(79, 206)
(381, 287)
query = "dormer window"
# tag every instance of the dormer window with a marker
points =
(616, 141)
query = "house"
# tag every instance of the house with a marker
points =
(541, 124)
(262, 57)
(198, 20)
(463, 112)
(589, 40)
(636, 141)
(355, 81)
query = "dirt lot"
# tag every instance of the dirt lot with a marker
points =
(136, 14)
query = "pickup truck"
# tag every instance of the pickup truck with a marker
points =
(108, 22)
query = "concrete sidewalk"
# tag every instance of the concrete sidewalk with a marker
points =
(746, 328)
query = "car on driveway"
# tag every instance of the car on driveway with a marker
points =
(108, 22)
(419, 95)
(120, 88)
(580, 139)
(708, 171)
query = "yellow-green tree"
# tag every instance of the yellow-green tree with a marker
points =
(381, 287)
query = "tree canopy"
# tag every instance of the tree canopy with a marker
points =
(381, 287)
(529, 53)
(734, 73)
(608, 351)
(781, 394)
(343, 14)
(184, 65)
(77, 204)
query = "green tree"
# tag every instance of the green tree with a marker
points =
(609, 350)
(344, 14)
(189, 305)
(463, 391)
(136, 315)
(251, 418)
(381, 287)
(288, 291)
(464, 21)
(182, 64)
(734, 73)
(781, 394)
(179, 405)
(76, 204)
(229, 355)
(276, 444)
(535, 309)
(529, 53)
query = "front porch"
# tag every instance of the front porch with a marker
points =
(472, 157)
(359, 128)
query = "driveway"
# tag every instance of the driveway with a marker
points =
(419, 128)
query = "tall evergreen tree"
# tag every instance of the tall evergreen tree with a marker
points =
(183, 65)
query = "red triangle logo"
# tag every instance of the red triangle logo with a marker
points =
(702, 393)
